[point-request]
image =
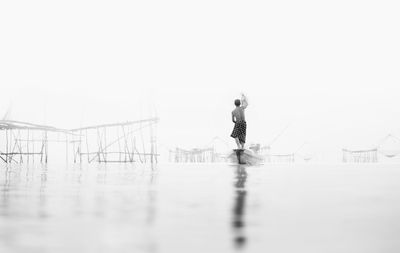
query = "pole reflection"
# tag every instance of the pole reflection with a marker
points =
(238, 220)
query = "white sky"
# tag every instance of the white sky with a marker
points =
(330, 69)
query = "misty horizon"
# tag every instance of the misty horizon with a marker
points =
(331, 76)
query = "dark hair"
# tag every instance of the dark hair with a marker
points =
(237, 102)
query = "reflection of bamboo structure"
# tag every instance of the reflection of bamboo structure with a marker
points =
(25, 142)
(360, 156)
(195, 155)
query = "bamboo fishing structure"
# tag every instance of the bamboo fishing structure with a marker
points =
(265, 152)
(389, 146)
(207, 154)
(28, 143)
(117, 142)
(195, 155)
(281, 158)
(360, 156)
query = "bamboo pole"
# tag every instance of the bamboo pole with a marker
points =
(137, 151)
(105, 144)
(156, 141)
(20, 147)
(66, 147)
(80, 146)
(151, 144)
(73, 150)
(117, 124)
(87, 145)
(27, 145)
(6, 145)
(119, 145)
(126, 151)
(133, 147)
(13, 143)
(33, 147)
(41, 149)
(46, 147)
(142, 139)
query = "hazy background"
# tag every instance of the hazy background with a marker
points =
(327, 69)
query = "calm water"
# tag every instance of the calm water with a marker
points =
(200, 208)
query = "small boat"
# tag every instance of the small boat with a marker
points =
(245, 156)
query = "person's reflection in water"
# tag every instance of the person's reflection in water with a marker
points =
(238, 222)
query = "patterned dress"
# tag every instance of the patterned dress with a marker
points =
(239, 131)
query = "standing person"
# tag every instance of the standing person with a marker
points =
(239, 130)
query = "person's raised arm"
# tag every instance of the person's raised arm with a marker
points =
(244, 101)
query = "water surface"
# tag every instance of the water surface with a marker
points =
(199, 208)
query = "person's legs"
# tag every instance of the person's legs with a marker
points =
(242, 145)
(238, 143)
